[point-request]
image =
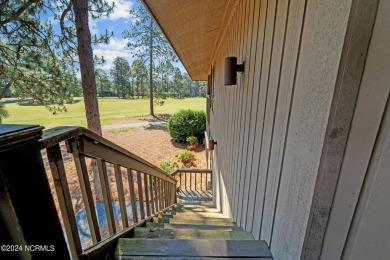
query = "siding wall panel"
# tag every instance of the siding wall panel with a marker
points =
(265, 72)
(266, 163)
(237, 105)
(257, 108)
(250, 113)
(244, 115)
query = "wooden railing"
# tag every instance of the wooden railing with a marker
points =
(193, 179)
(154, 189)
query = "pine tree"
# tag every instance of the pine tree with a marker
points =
(149, 43)
(39, 62)
(120, 75)
(139, 73)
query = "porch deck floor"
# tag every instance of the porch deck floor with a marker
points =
(195, 197)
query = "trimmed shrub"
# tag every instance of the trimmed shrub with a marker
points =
(187, 158)
(168, 166)
(187, 123)
(192, 140)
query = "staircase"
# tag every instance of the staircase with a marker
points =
(191, 232)
(151, 223)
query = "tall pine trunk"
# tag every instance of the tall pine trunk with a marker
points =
(151, 67)
(80, 8)
(138, 90)
(142, 88)
(101, 88)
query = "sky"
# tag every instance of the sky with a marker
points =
(118, 21)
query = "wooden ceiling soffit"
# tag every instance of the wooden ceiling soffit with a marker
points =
(194, 28)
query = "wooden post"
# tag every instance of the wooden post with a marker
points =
(86, 192)
(64, 199)
(28, 217)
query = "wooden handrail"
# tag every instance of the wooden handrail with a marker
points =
(195, 170)
(58, 134)
(156, 189)
(188, 182)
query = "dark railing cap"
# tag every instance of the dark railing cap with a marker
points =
(15, 135)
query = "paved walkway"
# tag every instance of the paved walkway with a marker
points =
(108, 127)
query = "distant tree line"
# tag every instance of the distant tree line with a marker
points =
(132, 81)
(46, 54)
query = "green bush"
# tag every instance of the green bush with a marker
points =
(167, 166)
(187, 158)
(187, 123)
(192, 140)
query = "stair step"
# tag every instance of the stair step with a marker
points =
(195, 213)
(194, 217)
(199, 215)
(130, 247)
(201, 222)
(198, 208)
(161, 233)
(192, 226)
(162, 219)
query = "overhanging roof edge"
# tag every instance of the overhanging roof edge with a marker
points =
(165, 35)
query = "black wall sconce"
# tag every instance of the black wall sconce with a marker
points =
(231, 69)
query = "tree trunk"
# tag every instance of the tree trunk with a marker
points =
(138, 90)
(151, 67)
(101, 88)
(196, 88)
(5, 90)
(142, 88)
(80, 8)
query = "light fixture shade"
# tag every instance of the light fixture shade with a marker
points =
(230, 76)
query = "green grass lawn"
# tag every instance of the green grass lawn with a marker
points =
(112, 111)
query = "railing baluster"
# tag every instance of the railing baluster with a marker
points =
(163, 193)
(101, 164)
(141, 199)
(160, 193)
(146, 187)
(64, 199)
(201, 181)
(185, 181)
(166, 193)
(132, 194)
(170, 194)
(167, 199)
(151, 186)
(121, 195)
(85, 187)
(157, 194)
(190, 180)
